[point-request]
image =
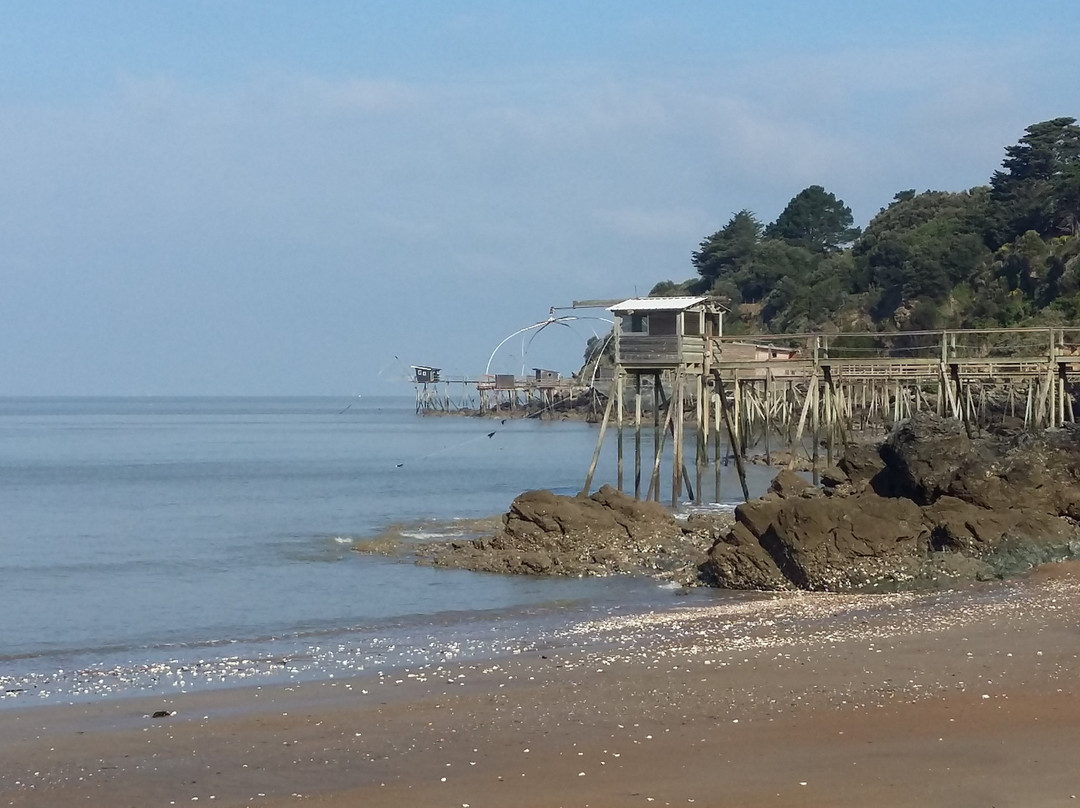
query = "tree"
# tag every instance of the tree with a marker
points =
(1068, 202)
(809, 302)
(1038, 187)
(775, 260)
(815, 219)
(727, 250)
(922, 246)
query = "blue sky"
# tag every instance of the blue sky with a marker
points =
(280, 198)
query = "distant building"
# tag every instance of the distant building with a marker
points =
(425, 375)
(756, 355)
(546, 378)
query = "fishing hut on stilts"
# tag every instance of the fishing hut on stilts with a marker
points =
(806, 395)
(668, 345)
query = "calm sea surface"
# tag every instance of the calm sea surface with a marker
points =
(162, 543)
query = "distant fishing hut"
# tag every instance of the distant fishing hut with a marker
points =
(425, 375)
(495, 393)
(426, 379)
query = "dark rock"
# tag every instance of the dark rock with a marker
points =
(834, 476)
(922, 458)
(837, 543)
(537, 562)
(931, 505)
(608, 532)
(979, 532)
(740, 562)
(789, 483)
(861, 463)
(930, 457)
(757, 515)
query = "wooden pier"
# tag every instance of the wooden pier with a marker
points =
(807, 394)
(494, 394)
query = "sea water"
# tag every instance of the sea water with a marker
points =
(167, 542)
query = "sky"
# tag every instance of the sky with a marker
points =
(305, 198)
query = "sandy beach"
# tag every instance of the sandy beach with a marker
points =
(966, 698)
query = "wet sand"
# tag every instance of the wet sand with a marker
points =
(958, 699)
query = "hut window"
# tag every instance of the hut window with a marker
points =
(636, 324)
(662, 324)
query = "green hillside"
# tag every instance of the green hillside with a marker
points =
(1003, 254)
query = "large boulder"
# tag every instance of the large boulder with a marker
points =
(739, 561)
(609, 532)
(1010, 540)
(789, 483)
(929, 504)
(923, 457)
(832, 543)
(929, 457)
(838, 543)
(861, 463)
(541, 518)
(1031, 472)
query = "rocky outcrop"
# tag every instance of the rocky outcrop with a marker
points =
(927, 458)
(929, 504)
(608, 532)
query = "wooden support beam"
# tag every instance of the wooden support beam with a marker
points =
(637, 436)
(714, 401)
(702, 433)
(661, 434)
(599, 444)
(658, 441)
(830, 425)
(815, 430)
(620, 378)
(812, 386)
(671, 427)
(768, 418)
(734, 441)
(677, 439)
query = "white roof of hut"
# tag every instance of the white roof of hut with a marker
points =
(657, 304)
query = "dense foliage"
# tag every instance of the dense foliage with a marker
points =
(1003, 254)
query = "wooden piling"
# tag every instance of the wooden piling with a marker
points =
(599, 445)
(715, 406)
(737, 451)
(661, 434)
(677, 438)
(658, 440)
(620, 377)
(637, 436)
(702, 433)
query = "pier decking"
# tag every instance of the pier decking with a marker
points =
(805, 394)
